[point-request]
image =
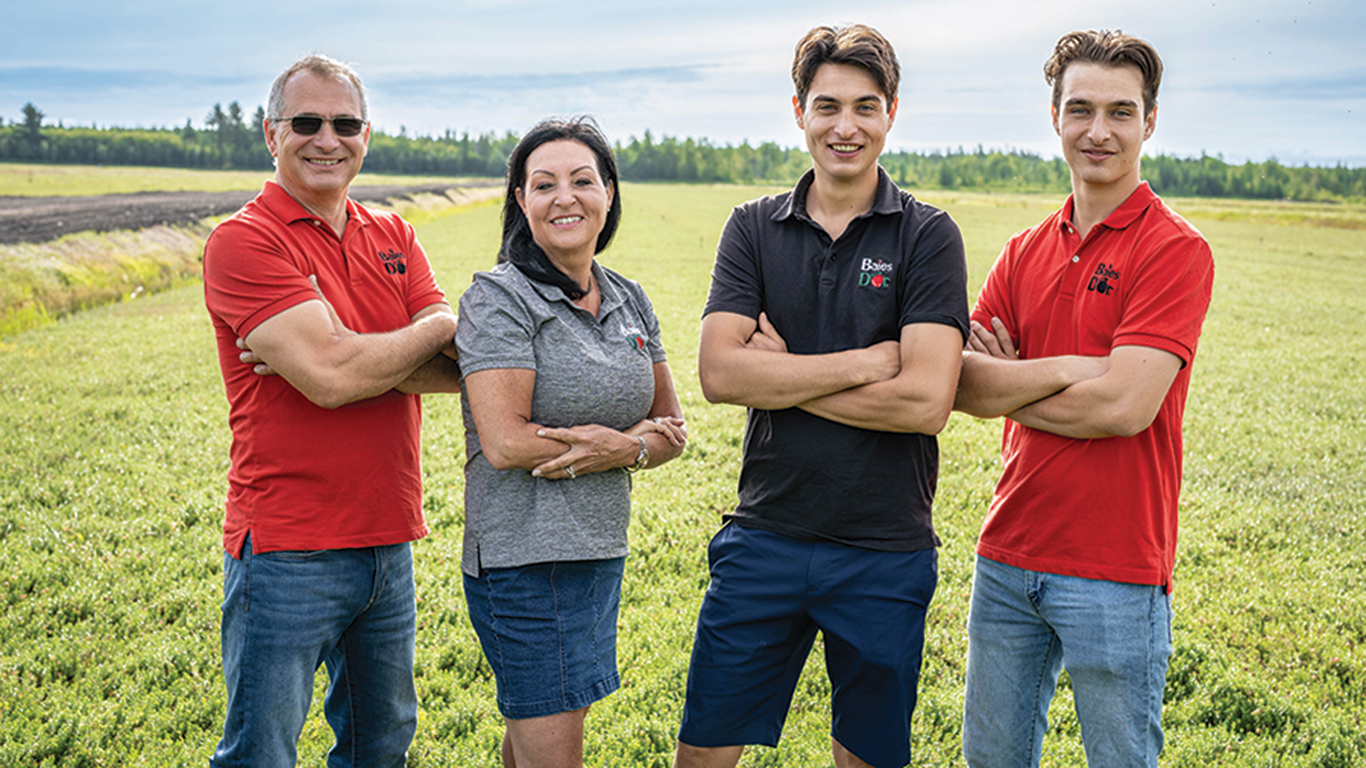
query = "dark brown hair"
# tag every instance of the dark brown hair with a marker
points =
(1109, 49)
(856, 45)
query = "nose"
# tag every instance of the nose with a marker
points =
(326, 137)
(846, 125)
(1099, 129)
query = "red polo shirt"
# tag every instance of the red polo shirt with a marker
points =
(1102, 508)
(304, 477)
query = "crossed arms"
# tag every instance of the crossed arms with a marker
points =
(1117, 395)
(332, 365)
(893, 386)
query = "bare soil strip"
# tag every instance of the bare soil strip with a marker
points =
(39, 219)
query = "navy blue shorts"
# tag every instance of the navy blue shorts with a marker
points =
(549, 631)
(768, 595)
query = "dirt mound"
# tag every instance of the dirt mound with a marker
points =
(39, 219)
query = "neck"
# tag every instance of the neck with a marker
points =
(328, 205)
(1092, 203)
(579, 267)
(841, 198)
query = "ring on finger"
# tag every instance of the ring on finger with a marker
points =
(570, 470)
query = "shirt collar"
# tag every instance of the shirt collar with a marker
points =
(886, 202)
(609, 296)
(1121, 217)
(283, 205)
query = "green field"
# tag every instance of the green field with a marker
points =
(113, 455)
(46, 180)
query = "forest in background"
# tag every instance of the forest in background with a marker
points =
(229, 139)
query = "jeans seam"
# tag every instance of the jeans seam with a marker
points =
(559, 632)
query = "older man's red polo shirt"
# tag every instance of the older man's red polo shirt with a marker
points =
(1103, 508)
(304, 477)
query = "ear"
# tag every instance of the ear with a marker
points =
(272, 144)
(1053, 110)
(891, 113)
(797, 112)
(521, 202)
(1150, 123)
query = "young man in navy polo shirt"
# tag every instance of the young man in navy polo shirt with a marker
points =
(837, 315)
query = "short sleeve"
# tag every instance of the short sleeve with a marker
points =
(494, 328)
(250, 277)
(993, 299)
(1165, 307)
(936, 286)
(735, 279)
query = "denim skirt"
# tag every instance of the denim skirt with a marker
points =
(549, 631)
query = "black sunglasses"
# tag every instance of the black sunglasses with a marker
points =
(307, 125)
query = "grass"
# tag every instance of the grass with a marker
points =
(44, 180)
(113, 454)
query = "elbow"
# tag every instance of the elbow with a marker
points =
(327, 398)
(498, 460)
(714, 387)
(1128, 422)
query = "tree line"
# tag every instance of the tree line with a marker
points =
(228, 140)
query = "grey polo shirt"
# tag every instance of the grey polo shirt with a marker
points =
(589, 370)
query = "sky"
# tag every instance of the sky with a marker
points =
(1244, 79)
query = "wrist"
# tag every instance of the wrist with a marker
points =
(642, 456)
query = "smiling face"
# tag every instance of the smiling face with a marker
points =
(565, 201)
(846, 118)
(321, 165)
(1100, 119)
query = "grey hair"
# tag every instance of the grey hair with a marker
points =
(323, 66)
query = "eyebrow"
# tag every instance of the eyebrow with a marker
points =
(534, 171)
(820, 98)
(1088, 102)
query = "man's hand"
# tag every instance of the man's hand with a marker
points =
(766, 337)
(995, 342)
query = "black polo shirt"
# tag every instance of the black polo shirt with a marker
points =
(900, 263)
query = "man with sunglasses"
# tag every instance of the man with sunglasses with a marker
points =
(329, 322)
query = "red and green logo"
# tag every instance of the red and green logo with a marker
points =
(876, 273)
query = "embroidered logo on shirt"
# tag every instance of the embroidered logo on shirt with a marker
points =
(1104, 280)
(876, 273)
(633, 336)
(393, 262)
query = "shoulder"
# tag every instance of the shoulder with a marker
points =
(389, 224)
(504, 284)
(630, 290)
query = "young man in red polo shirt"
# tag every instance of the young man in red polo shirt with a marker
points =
(325, 488)
(1083, 338)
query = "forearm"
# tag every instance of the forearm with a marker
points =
(773, 380)
(440, 374)
(519, 446)
(989, 387)
(886, 406)
(1122, 402)
(1084, 411)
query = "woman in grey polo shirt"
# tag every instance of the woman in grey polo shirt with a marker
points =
(566, 392)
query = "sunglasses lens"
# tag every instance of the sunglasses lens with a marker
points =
(347, 126)
(306, 126)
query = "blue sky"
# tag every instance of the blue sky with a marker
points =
(1245, 79)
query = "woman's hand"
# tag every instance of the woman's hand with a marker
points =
(674, 429)
(592, 448)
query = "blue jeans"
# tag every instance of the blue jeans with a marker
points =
(1024, 627)
(287, 613)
